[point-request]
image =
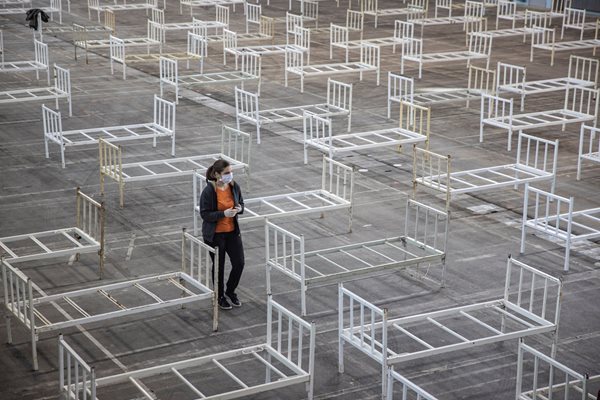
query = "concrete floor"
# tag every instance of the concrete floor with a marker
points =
(37, 194)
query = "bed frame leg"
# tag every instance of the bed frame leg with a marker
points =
(303, 298)
(8, 330)
(34, 349)
(509, 145)
(62, 155)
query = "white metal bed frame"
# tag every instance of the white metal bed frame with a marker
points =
(60, 90)
(235, 148)
(545, 39)
(39, 63)
(206, 3)
(94, 5)
(285, 344)
(472, 20)
(531, 20)
(118, 54)
(420, 245)
(562, 380)
(221, 21)
(402, 88)
(528, 309)
(414, 128)
(336, 193)
(536, 161)
(589, 148)
(87, 236)
(163, 124)
(414, 8)
(301, 41)
(154, 37)
(250, 70)
(583, 71)
(338, 103)
(480, 47)
(340, 37)
(580, 106)
(554, 216)
(370, 61)
(80, 35)
(507, 11)
(575, 19)
(21, 303)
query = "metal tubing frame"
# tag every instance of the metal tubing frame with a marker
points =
(545, 39)
(39, 63)
(550, 214)
(336, 192)
(236, 148)
(285, 251)
(531, 282)
(589, 151)
(89, 226)
(579, 107)
(279, 344)
(163, 124)
(339, 102)
(536, 158)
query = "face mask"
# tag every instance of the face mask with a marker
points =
(226, 178)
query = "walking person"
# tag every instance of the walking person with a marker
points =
(220, 203)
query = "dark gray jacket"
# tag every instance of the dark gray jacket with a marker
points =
(209, 212)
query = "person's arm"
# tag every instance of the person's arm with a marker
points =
(241, 200)
(207, 212)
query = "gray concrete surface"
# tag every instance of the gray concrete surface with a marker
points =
(37, 194)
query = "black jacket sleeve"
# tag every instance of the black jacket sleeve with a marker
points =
(208, 207)
(240, 198)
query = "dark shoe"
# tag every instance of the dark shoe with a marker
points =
(234, 300)
(224, 304)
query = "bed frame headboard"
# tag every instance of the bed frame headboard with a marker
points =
(91, 219)
(316, 128)
(434, 169)
(196, 261)
(77, 379)
(289, 329)
(427, 224)
(534, 291)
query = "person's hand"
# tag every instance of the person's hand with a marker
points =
(238, 208)
(230, 212)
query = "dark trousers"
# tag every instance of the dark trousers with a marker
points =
(229, 243)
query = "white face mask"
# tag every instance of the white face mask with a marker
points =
(226, 178)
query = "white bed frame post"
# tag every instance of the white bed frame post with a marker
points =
(355, 21)
(251, 65)
(201, 256)
(443, 5)
(538, 153)
(253, 13)
(589, 149)
(535, 19)
(506, 10)
(80, 377)
(573, 18)
(229, 43)
(338, 35)
(164, 117)
(370, 55)
(582, 100)
(370, 316)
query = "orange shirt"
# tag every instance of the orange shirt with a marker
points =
(224, 202)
